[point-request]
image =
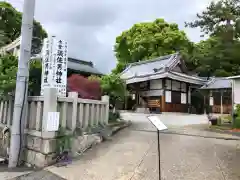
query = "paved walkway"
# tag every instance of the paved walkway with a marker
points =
(132, 155)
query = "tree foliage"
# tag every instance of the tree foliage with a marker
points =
(212, 58)
(35, 73)
(221, 18)
(8, 73)
(219, 54)
(10, 24)
(148, 40)
(87, 89)
(113, 86)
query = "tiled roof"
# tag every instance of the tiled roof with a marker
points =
(83, 66)
(218, 83)
(149, 67)
(79, 65)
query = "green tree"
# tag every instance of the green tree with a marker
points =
(113, 86)
(219, 54)
(210, 58)
(221, 18)
(148, 40)
(10, 24)
(2, 38)
(35, 73)
(8, 73)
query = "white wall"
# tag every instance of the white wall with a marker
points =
(156, 84)
(236, 91)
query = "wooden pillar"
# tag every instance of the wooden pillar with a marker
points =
(204, 103)
(125, 98)
(163, 96)
(189, 98)
(163, 103)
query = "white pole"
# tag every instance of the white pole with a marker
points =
(21, 83)
(221, 102)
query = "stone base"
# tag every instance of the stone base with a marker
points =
(38, 159)
(41, 152)
(143, 110)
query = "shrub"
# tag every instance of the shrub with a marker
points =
(113, 116)
(236, 123)
(87, 89)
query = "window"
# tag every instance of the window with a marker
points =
(176, 97)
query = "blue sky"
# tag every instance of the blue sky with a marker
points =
(91, 26)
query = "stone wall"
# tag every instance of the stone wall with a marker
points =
(40, 152)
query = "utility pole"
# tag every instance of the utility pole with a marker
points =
(21, 91)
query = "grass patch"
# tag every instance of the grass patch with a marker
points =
(222, 127)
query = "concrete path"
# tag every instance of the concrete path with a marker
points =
(187, 153)
(172, 120)
(132, 155)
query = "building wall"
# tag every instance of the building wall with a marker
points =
(221, 101)
(156, 84)
(165, 95)
(176, 96)
(236, 91)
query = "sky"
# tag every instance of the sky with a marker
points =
(91, 26)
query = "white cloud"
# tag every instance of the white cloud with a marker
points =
(91, 26)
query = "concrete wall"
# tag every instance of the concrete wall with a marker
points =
(236, 90)
(75, 113)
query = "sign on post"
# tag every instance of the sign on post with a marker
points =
(157, 123)
(52, 121)
(54, 65)
(46, 65)
(160, 127)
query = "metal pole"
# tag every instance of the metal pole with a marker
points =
(21, 83)
(159, 158)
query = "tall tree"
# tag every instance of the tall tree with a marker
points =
(8, 71)
(219, 54)
(148, 40)
(10, 24)
(221, 18)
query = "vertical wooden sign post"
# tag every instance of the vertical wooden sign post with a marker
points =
(160, 127)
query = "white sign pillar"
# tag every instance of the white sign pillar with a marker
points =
(54, 65)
